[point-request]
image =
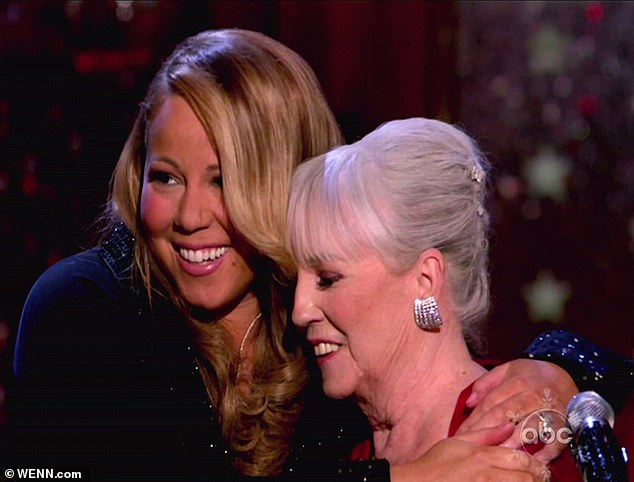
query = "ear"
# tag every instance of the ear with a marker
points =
(430, 273)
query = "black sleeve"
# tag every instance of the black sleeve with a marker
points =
(75, 403)
(60, 320)
(592, 367)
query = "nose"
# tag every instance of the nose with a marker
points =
(305, 310)
(195, 209)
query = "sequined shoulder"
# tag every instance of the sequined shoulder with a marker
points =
(117, 250)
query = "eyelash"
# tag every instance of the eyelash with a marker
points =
(217, 181)
(326, 280)
(166, 178)
(162, 177)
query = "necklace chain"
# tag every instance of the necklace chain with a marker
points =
(244, 339)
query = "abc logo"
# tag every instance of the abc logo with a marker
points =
(545, 426)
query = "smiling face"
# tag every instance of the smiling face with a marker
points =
(183, 213)
(355, 314)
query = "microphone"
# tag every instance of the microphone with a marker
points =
(594, 446)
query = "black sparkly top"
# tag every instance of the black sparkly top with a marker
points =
(105, 382)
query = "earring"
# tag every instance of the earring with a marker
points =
(426, 313)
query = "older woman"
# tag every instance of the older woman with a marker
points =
(390, 235)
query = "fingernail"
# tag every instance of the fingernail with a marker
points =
(472, 399)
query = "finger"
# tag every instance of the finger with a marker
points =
(514, 441)
(526, 433)
(501, 394)
(509, 404)
(552, 382)
(545, 446)
(550, 452)
(485, 384)
(501, 475)
(489, 435)
(516, 460)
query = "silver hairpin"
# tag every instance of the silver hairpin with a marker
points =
(479, 209)
(476, 174)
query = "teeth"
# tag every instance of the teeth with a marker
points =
(202, 255)
(325, 348)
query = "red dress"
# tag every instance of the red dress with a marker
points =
(562, 469)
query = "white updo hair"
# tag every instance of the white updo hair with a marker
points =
(408, 186)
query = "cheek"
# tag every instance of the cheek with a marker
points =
(220, 215)
(366, 320)
(346, 314)
(156, 211)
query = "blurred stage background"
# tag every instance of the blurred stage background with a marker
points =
(547, 88)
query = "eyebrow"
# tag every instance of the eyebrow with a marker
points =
(212, 168)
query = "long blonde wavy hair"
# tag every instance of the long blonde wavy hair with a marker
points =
(263, 110)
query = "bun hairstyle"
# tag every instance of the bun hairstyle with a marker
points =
(408, 186)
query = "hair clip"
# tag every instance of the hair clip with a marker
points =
(476, 174)
(479, 208)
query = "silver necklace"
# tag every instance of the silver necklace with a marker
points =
(244, 340)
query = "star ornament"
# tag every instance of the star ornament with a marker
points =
(546, 298)
(547, 50)
(546, 174)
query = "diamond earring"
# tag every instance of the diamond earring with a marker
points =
(426, 313)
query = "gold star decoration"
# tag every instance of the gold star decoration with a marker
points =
(546, 174)
(547, 49)
(546, 297)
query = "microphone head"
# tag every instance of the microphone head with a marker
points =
(588, 404)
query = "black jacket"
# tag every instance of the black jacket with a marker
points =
(104, 383)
